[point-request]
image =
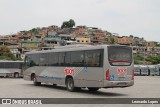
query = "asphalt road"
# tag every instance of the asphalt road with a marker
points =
(144, 87)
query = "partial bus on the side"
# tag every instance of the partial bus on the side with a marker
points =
(137, 70)
(153, 70)
(144, 70)
(11, 68)
(93, 67)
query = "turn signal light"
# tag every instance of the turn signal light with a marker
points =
(107, 75)
(132, 74)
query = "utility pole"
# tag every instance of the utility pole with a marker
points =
(144, 53)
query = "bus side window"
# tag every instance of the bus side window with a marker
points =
(88, 59)
(34, 60)
(2, 65)
(27, 61)
(43, 60)
(61, 59)
(77, 58)
(93, 58)
(9, 65)
(67, 59)
(53, 59)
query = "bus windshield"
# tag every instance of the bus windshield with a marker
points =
(120, 55)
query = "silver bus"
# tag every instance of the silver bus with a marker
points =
(137, 70)
(144, 70)
(92, 67)
(153, 70)
(11, 68)
(158, 68)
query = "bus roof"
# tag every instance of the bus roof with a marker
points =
(143, 66)
(73, 47)
(136, 65)
(10, 61)
(152, 66)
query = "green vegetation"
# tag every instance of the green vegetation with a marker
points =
(112, 41)
(68, 24)
(158, 45)
(109, 33)
(5, 54)
(136, 62)
(138, 59)
(33, 31)
(151, 59)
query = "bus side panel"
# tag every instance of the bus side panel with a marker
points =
(88, 77)
(14, 70)
(45, 74)
(92, 77)
(9, 72)
(52, 75)
(83, 77)
(27, 73)
(3, 72)
(32, 70)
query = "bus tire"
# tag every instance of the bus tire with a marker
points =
(93, 89)
(35, 82)
(54, 84)
(70, 85)
(78, 89)
(140, 73)
(149, 72)
(16, 75)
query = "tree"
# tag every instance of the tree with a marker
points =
(25, 33)
(138, 59)
(109, 33)
(158, 45)
(34, 31)
(5, 53)
(136, 62)
(153, 59)
(112, 41)
(68, 24)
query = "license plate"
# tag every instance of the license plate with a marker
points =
(121, 78)
(122, 83)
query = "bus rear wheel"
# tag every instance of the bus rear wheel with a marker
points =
(70, 84)
(35, 82)
(54, 84)
(93, 89)
(16, 75)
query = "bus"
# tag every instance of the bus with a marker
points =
(158, 68)
(153, 70)
(76, 67)
(144, 70)
(137, 70)
(11, 68)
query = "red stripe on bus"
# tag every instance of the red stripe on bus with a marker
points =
(37, 76)
(119, 60)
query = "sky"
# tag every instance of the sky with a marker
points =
(139, 18)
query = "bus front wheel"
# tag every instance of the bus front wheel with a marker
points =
(93, 89)
(35, 82)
